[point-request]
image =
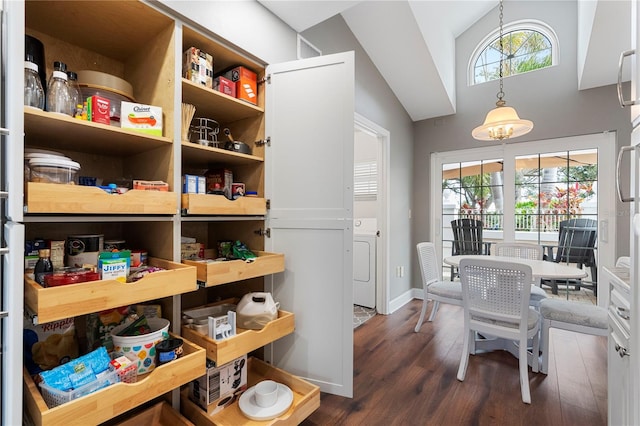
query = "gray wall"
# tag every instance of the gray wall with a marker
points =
(376, 102)
(548, 97)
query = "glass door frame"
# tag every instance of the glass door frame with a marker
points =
(604, 142)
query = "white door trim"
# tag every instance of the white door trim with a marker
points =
(382, 214)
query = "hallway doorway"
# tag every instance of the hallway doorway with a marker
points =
(370, 213)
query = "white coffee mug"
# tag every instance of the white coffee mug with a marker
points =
(266, 393)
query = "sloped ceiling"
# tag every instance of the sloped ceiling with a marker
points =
(421, 35)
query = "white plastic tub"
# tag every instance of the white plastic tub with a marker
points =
(53, 170)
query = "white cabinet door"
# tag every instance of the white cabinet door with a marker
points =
(309, 181)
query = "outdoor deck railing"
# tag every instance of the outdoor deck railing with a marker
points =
(547, 220)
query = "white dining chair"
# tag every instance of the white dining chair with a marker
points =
(525, 251)
(434, 288)
(495, 297)
(521, 250)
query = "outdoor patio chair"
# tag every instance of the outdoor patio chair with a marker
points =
(467, 239)
(576, 244)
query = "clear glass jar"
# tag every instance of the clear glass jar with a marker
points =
(75, 93)
(33, 90)
(58, 93)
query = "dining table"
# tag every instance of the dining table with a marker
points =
(539, 269)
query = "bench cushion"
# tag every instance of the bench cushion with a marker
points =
(574, 313)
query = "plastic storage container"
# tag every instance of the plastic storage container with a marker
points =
(53, 170)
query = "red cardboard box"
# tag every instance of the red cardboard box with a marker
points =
(100, 109)
(246, 83)
(225, 86)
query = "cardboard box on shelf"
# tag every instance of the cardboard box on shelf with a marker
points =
(225, 86)
(141, 118)
(220, 386)
(197, 66)
(222, 177)
(246, 83)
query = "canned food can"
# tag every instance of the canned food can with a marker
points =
(83, 249)
(114, 245)
(138, 258)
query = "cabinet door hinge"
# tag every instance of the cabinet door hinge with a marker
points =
(265, 79)
(263, 232)
(266, 141)
(268, 204)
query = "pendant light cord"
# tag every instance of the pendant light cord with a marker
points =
(501, 93)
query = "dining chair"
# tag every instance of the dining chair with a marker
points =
(576, 244)
(467, 239)
(524, 251)
(434, 288)
(495, 297)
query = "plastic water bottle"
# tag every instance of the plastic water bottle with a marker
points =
(75, 93)
(58, 93)
(33, 90)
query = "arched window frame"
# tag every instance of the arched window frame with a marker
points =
(523, 25)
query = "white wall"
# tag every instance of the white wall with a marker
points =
(246, 24)
(548, 97)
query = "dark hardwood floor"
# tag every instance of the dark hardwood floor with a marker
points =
(407, 378)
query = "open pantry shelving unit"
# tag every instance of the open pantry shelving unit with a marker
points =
(144, 47)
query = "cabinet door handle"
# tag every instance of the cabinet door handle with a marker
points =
(622, 350)
(621, 197)
(623, 102)
(623, 313)
(4, 314)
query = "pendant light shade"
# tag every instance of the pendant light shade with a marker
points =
(502, 122)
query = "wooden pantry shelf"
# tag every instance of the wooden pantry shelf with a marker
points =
(161, 414)
(216, 105)
(209, 204)
(119, 398)
(77, 199)
(55, 303)
(67, 133)
(306, 399)
(244, 341)
(214, 273)
(203, 156)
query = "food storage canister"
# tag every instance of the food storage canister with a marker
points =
(53, 170)
(83, 249)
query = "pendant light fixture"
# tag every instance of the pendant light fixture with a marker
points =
(502, 122)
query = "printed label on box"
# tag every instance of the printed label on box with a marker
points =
(141, 118)
(219, 383)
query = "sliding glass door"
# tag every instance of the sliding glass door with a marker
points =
(524, 192)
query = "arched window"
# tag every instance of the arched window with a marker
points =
(527, 46)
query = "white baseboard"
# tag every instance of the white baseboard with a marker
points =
(403, 299)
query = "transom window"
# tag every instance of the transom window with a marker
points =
(526, 46)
